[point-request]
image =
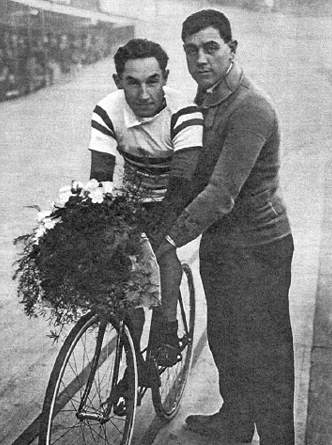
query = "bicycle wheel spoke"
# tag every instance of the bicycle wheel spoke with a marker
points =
(115, 425)
(76, 407)
(94, 433)
(65, 433)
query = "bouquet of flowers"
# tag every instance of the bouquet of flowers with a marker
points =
(87, 253)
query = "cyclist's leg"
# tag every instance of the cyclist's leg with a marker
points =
(136, 322)
(146, 374)
(167, 396)
(137, 319)
(169, 352)
(169, 264)
(170, 280)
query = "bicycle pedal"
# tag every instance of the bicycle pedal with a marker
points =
(120, 408)
(168, 356)
(184, 342)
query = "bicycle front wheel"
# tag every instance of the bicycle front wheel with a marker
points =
(78, 403)
(166, 398)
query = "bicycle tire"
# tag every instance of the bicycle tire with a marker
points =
(167, 396)
(76, 377)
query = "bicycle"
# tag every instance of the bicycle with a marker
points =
(82, 393)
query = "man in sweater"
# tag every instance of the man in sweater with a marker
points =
(247, 246)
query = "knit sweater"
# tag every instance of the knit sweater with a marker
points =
(237, 193)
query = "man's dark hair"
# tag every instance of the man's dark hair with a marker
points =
(139, 49)
(205, 18)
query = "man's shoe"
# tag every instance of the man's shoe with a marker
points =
(216, 425)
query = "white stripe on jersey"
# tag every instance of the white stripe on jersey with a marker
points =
(185, 117)
(146, 145)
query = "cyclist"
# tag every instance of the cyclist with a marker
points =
(149, 136)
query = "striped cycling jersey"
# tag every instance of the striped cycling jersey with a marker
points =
(144, 147)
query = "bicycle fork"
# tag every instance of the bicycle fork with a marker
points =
(82, 414)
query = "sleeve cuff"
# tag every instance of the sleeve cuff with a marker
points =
(184, 230)
(170, 241)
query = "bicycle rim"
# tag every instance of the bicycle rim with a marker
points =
(77, 407)
(166, 398)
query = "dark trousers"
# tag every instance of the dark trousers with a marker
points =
(249, 333)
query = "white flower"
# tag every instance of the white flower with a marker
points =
(45, 223)
(107, 187)
(42, 215)
(91, 185)
(97, 195)
(64, 194)
(40, 231)
(50, 223)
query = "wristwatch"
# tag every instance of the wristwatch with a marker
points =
(170, 241)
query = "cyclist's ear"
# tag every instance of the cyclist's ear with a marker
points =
(165, 76)
(118, 81)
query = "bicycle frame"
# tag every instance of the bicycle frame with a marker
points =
(99, 346)
(105, 416)
(81, 415)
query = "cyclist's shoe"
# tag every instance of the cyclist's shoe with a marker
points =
(168, 353)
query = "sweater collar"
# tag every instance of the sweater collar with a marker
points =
(221, 90)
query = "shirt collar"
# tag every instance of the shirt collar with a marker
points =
(222, 89)
(131, 120)
(211, 89)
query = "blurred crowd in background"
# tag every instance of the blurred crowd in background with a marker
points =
(38, 47)
(31, 62)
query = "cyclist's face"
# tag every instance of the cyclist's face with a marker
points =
(208, 56)
(143, 82)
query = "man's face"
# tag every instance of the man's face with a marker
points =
(143, 82)
(208, 56)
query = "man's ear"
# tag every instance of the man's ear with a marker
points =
(233, 45)
(118, 81)
(165, 76)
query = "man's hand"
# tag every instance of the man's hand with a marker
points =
(165, 249)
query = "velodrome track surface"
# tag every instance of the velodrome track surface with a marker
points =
(43, 146)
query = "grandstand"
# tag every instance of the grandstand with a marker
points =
(41, 41)
(309, 8)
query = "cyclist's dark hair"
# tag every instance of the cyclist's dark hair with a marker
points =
(205, 18)
(139, 49)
